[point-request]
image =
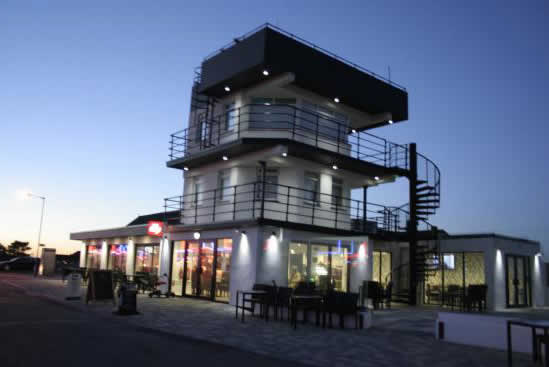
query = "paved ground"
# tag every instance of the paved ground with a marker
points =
(401, 337)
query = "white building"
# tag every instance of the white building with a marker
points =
(276, 161)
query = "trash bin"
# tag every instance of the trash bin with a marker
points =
(127, 299)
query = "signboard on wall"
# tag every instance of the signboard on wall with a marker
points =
(155, 228)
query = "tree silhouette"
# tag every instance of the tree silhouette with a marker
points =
(18, 248)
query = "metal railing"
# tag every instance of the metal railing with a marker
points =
(289, 122)
(263, 200)
(310, 44)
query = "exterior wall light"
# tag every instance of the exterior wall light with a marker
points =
(266, 72)
(196, 235)
(227, 89)
(376, 178)
(225, 158)
(336, 100)
(185, 168)
(284, 154)
(334, 167)
(390, 121)
(353, 131)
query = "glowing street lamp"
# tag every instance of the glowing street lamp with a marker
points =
(23, 194)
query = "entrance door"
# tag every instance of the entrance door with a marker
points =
(518, 281)
(199, 266)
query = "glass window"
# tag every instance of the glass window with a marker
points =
(339, 270)
(320, 265)
(93, 257)
(117, 257)
(381, 267)
(224, 185)
(223, 269)
(474, 268)
(337, 192)
(178, 259)
(146, 258)
(328, 123)
(453, 272)
(297, 264)
(230, 116)
(312, 188)
(197, 189)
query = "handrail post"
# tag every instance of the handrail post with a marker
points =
(364, 208)
(234, 202)
(195, 206)
(238, 129)
(294, 123)
(316, 134)
(336, 211)
(264, 169)
(215, 200)
(287, 202)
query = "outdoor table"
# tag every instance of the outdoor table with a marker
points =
(244, 294)
(303, 299)
(534, 325)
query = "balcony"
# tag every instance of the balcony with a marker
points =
(284, 123)
(287, 204)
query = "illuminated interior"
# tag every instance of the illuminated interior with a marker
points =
(325, 265)
(118, 255)
(93, 257)
(457, 271)
(146, 258)
(381, 267)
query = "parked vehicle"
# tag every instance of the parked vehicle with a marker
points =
(18, 263)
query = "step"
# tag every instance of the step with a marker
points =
(428, 194)
(421, 207)
(424, 188)
(426, 213)
(428, 201)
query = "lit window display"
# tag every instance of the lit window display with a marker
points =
(146, 258)
(297, 266)
(93, 257)
(381, 267)
(325, 265)
(117, 257)
(223, 269)
(178, 267)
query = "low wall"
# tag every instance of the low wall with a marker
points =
(482, 330)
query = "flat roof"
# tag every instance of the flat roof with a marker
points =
(491, 235)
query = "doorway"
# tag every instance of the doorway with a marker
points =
(518, 281)
(193, 271)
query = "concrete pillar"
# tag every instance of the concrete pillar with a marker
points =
(165, 256)
(499, 300)
(104, 255)
(361, 266)
(273, 258)
(83, 254)
(538, 289)
(130, 258)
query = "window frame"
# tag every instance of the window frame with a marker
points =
(316, 200)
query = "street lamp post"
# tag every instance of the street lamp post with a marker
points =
(29, 194)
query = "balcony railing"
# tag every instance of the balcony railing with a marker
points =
(281, 121)
(262, 200)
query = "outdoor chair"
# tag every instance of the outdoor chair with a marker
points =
(264, 301)
(476, 297)
(371, 290)
(305, 306)
(283, 296)
(305, 288)
(341, 304)
(388, 294)
(454, 296)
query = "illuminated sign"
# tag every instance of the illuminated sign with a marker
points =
(155, 228)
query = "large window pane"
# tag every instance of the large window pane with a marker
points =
(474, 268)
(297, 264)
(146, 258)
(223, 268)
(178, 267)
(93, 257)
(117, 257)
(339, 270)
(320, 265)
(191, 282)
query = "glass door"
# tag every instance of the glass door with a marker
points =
(206, 261)
(518, 281)
(192, 269)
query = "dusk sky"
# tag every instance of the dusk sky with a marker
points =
(90, 92)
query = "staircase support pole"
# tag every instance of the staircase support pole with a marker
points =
(412, 225)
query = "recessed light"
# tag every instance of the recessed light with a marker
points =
(376, 178)
(227, 89)
(284, 154)
(225, 158)
(390, 121)
(353, 131)
(266, 72)
(267, 104)
(334, 167)
(336, 100)
(185, 168)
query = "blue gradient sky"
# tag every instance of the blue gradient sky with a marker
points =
(90, 93)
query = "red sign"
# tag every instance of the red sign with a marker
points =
(155, 228)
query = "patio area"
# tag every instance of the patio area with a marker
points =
(399, 337)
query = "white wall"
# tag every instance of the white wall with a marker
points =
(165, 256)
(130, 258)
(104, 255)
(362, 266)
(83, 254)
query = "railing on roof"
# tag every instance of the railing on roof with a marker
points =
(288, 122)
(310, 44)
